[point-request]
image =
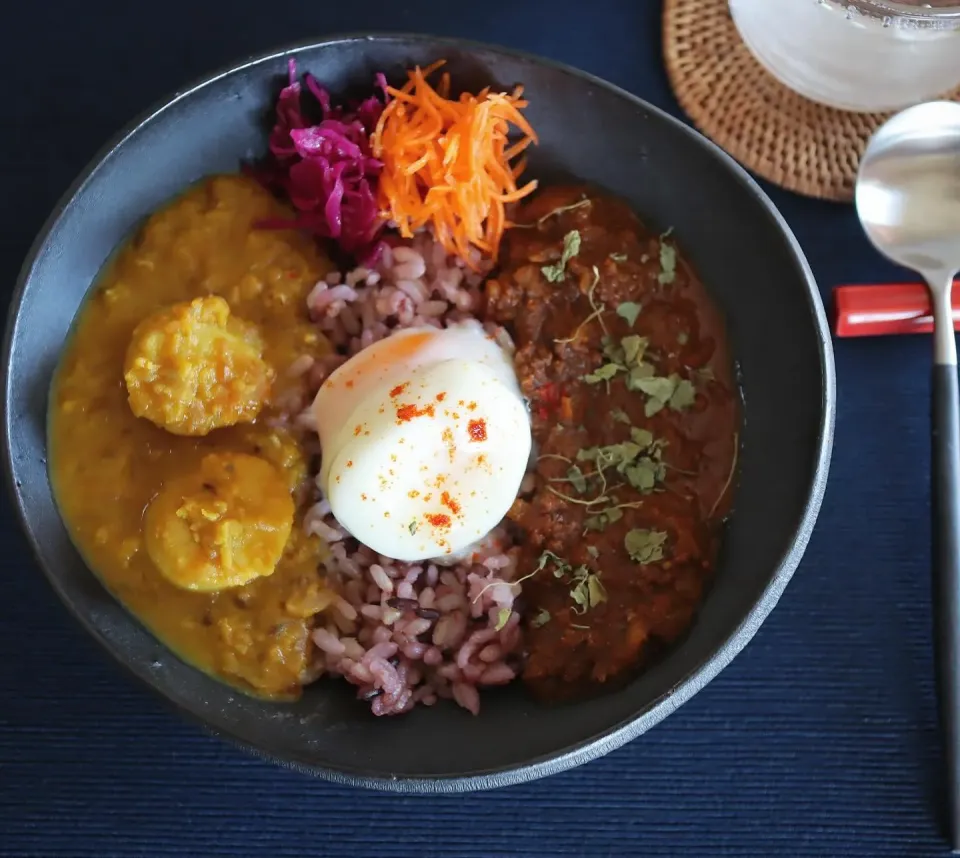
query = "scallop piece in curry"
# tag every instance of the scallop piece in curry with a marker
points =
(199, 285)
(192, 368)
(221, 526)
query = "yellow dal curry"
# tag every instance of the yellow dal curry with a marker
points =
(108, 465)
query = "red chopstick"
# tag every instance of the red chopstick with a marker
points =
(874, 311)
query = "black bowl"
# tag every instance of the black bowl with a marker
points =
(747, 257)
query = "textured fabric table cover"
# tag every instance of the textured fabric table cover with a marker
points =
(820, 739)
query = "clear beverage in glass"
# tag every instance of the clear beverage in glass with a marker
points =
(862, 55)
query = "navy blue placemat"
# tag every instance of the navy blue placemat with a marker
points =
(818, 740)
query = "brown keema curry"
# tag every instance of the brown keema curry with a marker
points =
(624, 363)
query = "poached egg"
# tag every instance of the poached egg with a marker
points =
(425, 440)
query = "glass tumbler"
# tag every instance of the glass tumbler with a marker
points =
(861, 55)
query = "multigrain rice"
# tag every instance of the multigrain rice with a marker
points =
(408, 633)
(412, 285)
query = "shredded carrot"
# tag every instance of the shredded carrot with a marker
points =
(447, 163)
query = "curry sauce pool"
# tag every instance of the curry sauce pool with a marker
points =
(106, 465)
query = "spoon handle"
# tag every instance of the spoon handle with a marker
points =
(946, 574)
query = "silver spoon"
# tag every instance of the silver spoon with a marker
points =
(908, 200)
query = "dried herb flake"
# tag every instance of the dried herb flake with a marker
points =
(606, 372)
(633, 349)
(559, 210)
(587, 591)
(628, 311)
(638, 373)
(683, 396)
(645, 546)
(600, 521)
(571, 247)
(541, 619)
(576, 478)
(705, 373)
(668, 262)
(549, 557)
(641, 437)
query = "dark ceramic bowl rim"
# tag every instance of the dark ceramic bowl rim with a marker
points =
(593, 746)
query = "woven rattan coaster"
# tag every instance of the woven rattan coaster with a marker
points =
(779, 135)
